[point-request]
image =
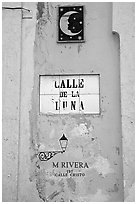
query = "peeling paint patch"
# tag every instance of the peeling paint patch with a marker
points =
(52, 182)
(40, 185)
(41, 147)
(91, 128)
(131, 194)
(61, 184)
(81, 130)
(50, 197)
(98, 197)
(102, 166)
(118, 150)
(71, 184)
(115, 188)
(40, 7)
(79, 47)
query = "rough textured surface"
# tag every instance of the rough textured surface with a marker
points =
(27, 189)
(123, 23)
(93, 140)
(11, 41)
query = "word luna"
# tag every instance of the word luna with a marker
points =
(73, 105)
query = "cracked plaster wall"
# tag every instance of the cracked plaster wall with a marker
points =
(36, 180)
(94, 141)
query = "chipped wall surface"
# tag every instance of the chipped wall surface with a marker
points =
(91, 167)
(27, 189)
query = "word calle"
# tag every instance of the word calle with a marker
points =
(70, 83)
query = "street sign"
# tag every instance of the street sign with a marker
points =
(72, 94)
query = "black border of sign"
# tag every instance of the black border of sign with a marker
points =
(71, 41)
(71, 114)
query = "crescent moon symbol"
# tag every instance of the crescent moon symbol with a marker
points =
(64, 23)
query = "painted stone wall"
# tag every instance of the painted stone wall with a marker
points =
(93, 155)
(11, 57)
(42, 55)
(123, 23)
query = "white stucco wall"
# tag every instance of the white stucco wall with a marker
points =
(123, 23)
(13, 121)
(11, 61)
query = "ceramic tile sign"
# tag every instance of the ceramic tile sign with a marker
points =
(69, 94)
(71, 24)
